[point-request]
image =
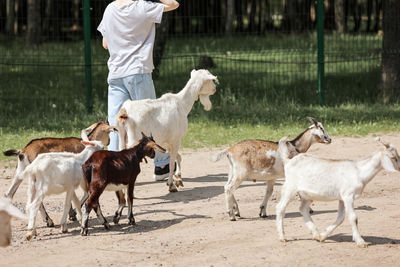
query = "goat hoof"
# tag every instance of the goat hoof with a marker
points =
(178, 183)
(362, 245)
(172, 189)
(50, 223)
(106, 226)
(116, 219)
(64, 229)
(132, 222)
(28, 236)
(263, 215)
(84, 232)
(283, 240)
(311, 211)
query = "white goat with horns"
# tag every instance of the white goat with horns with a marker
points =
(165, 118)
(328, 180)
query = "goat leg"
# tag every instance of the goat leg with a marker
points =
(85, 220)
(121, 202)
(72, 215)
(46, 218)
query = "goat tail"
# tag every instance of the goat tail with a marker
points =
(219, 155)
(122, 116)
(12, 152)
(87, 176)
(283, 150)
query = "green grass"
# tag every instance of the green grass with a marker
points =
(267, 88)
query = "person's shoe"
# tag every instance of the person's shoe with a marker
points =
(161, 173)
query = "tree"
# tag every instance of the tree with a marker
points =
(230, 13)
(339, 16)
(10, 12)
(34, 23)
(390, 78)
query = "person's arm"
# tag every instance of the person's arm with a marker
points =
(169, 5)
(105, 43)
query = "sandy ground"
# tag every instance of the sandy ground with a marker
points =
(191, 227)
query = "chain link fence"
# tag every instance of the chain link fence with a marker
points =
(259, 49)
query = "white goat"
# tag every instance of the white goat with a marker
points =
(259, 160)
(7, 210)
(328, 180)
(55, 173)
(165, 118)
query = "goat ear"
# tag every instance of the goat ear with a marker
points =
(192, 73)
(211, 77)
(378, 139)
(84, 135)
(143, 135)
(158, 148)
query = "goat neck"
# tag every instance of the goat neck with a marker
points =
(303, 141)
(189, 94)
(369, 167)
(86, 153)
(135, 153)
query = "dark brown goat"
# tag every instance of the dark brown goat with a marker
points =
(98, 131)
(117, 169)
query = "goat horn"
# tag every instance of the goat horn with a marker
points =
(314, 121)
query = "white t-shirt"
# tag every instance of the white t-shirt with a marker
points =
(130, 31)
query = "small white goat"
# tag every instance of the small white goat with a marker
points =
(328, 180)
(259, 160)
(165, 118)
(55, 173)
(7, 210)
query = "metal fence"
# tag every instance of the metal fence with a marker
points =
(265, 49)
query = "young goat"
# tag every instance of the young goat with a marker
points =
(259, 160)
(7, 210)
(328, 180)
(117, 170)
(98, 131)
(55, 173)
(165, 118)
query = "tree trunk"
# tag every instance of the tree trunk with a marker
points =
(391, 49)
(230, 13)
(47, 18)
(10, 16)
(339, 16)
(252, 8)
(34, 27)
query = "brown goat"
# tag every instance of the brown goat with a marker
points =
(98, 131)
(116, 169)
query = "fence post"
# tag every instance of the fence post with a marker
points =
(88, 55)
(321, 64)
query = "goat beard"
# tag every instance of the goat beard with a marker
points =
(205, 101)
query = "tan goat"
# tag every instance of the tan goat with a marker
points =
(259, 160)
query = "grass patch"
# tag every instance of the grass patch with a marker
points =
(267, 88)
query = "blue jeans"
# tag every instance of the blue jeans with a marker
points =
(133, 87)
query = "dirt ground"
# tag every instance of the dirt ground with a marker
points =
(191, 227)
